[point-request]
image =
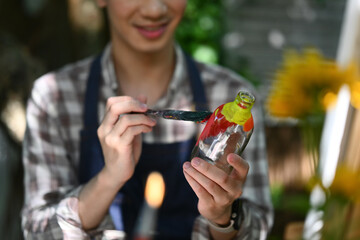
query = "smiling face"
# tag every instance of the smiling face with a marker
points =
(143, 25)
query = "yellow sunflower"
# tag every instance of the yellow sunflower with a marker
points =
(346, 183)
(307, 84)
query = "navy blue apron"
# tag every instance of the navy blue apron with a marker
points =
(179, 209)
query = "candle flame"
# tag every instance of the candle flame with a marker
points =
(155, 189)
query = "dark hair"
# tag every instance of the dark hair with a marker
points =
(17, 70)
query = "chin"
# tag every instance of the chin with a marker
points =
(152, 46)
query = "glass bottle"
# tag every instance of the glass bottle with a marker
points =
(228, 130)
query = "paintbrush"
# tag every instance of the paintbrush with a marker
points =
(194, 116)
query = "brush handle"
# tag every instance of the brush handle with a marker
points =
(194, 116)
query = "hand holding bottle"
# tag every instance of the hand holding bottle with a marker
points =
(216, 189)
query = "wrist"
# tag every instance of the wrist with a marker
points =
(224, 219)
(232, 220)
(106, 180)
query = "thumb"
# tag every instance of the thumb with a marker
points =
(142, 98)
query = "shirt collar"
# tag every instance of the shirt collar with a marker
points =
(178, 77)
(108, 68)
(180, 71)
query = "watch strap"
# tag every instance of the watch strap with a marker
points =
(235, 219)
(236, 213)
(218, 228)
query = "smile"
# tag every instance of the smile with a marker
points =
(152, 32)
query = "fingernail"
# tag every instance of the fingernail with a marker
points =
(196, 162)
(187, 165)
(143, 106)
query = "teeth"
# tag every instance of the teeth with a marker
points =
(151, 28)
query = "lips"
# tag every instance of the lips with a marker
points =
(152, 32)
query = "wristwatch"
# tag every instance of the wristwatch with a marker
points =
(237, 213)
(235, 219)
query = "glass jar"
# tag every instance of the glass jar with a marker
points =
(228, 130)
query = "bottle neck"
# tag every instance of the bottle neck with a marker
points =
(245, 100)
(239, 111)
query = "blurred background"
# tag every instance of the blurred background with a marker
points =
(248, 36)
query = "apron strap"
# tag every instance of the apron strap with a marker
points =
(90, 117)
(197, 86)
(90, 148)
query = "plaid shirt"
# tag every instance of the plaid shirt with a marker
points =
(51, 147)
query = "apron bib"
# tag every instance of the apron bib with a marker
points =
(177, 214)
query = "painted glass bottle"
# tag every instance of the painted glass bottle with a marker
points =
(228, 130)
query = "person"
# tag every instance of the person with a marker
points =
(86, 158)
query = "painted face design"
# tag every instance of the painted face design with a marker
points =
(223, 118)
(228, 130)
